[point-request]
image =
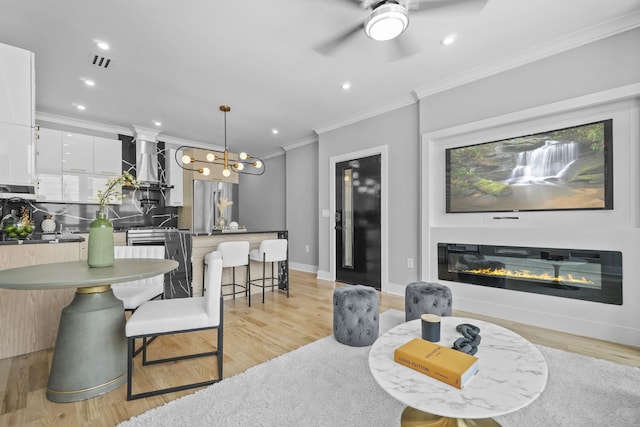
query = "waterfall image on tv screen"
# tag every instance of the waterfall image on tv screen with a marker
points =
(569, 168)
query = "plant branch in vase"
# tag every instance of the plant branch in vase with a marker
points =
(113, 191)
(223, 203)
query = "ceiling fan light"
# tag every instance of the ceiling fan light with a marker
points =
(386, 22)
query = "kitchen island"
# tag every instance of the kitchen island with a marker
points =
(205, 243)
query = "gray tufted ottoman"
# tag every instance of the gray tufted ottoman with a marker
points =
(355, 315)
(424, 297)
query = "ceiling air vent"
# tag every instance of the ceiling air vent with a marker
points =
(99, 61)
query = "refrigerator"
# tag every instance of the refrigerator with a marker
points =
(206, 199)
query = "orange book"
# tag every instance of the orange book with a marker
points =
(442, 363)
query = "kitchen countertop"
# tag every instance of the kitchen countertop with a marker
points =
(43, 238)
(240, 231)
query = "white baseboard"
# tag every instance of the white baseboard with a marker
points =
(394, 289)
(325, 275)
(303, 267)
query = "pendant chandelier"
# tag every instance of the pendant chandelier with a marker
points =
(243, 164)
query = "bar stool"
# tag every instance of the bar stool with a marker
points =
(235, 254)
(272, 251)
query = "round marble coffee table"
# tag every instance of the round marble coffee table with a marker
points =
(512, 374)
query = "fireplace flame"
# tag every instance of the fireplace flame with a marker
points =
(526, 274)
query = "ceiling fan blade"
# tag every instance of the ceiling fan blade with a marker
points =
(454, 6)
(328, 47)
(403, 47)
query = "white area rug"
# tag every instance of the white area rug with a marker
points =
(326, 383)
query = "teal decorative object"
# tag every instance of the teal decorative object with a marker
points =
(100, 252)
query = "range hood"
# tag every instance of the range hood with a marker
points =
(146, 155)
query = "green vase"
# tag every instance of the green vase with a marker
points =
(100, 252)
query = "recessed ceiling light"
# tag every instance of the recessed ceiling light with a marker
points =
(346, 85)
(449, 40)
(89, 82)
(81, 107)
(103, 45)
(274, 131)
(157, 123)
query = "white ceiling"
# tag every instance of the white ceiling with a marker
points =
(177, 61)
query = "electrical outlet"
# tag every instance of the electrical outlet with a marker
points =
(409, 262)
(306, 248)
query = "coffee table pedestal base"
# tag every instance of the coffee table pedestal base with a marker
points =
(414, 418)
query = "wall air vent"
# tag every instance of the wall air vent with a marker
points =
(99, 61)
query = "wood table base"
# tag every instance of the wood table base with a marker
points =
(90, 357)
(414, 418)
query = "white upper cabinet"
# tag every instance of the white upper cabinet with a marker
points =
(107, 156)
(49, 165)
(73, 167)
(77, 152)
(175, 178)
(17, 146)
(17, 154)
(17, 94)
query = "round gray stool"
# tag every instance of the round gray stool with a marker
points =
(424, 297)
(355, 315)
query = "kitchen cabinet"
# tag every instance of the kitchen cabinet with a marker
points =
(49, 165)
(77, 152)
(17, 153)
(17, 94)
(107, 156)
(175, 178)
(73, 167)
(83, 187)
(30, 319)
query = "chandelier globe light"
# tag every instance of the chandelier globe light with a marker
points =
(245, 163)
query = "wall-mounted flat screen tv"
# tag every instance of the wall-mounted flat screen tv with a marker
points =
(562, 169)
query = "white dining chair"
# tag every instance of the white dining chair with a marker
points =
(179, 315)
(135, 292)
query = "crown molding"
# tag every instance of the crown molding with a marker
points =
(302, 143)
(84, 124)
(272, 155)
(394, 105)
(585, 36)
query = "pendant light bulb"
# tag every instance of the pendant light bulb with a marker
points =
(257, 164)
(204, 171)
(186, 159)
(239, 166)
(226, 173)
(243, 156)
(211, 157)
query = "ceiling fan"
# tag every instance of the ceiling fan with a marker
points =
(388, 19)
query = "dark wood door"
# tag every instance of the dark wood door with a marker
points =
(358, 231)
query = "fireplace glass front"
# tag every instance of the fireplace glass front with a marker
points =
(592, 275)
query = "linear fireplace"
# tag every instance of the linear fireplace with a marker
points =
(591, 275)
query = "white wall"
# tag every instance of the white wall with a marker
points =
(600, 80)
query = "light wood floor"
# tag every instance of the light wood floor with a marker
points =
(252, 336)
